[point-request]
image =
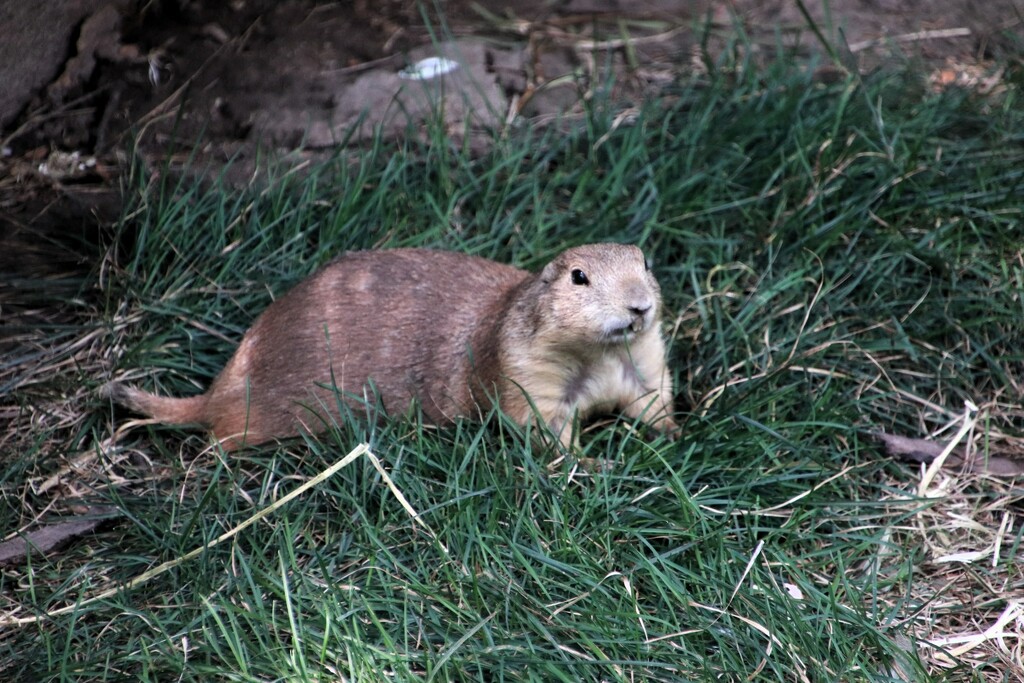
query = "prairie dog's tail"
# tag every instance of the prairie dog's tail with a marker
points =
(180, 411)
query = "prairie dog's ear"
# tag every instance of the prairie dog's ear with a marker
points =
(551, 271)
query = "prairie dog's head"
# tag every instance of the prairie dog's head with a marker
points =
(600, 293)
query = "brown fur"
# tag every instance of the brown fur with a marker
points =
(448, 330)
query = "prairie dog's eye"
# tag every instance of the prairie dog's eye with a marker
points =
(579, 277)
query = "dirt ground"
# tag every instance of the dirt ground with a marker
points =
(92, 86)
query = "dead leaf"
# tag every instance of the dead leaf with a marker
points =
(52, 537)
(925, 451)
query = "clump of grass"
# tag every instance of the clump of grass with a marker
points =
(833, 258)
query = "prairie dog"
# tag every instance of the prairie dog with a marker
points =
(457, 333)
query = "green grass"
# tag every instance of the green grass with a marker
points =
(834, 259)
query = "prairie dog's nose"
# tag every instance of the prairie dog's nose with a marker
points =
(639, 309)
(638, 299)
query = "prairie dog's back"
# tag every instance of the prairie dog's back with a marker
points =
(400, 319)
